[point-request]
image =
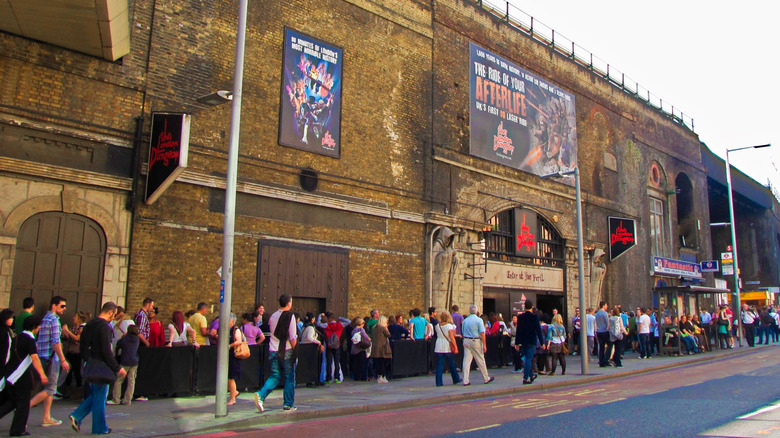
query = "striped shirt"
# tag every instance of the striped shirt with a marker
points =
(48, 335)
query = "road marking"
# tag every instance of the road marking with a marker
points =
(590, 391)
(554, 413)
(760, 411)
(478, 428)
(611, 401)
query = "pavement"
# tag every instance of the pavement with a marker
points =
(196, 415)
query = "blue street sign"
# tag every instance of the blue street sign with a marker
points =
(710, 266)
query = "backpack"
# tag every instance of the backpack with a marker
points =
(615, 330)
(333, 341)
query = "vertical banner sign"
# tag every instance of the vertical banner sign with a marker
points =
(526, 232)
(518, 119)
(167, 152)
(310, 109)
(622, 236)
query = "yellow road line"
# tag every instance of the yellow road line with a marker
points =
(478, 428)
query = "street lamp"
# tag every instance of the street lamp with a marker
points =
(580, 257)
(738, 314)
(228, 236)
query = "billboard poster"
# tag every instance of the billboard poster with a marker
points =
(310, 104)
(622, 236)
(168, 149)
(518, 119)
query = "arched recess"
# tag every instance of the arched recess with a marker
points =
(59, 254)
(686, 222)
(502, 240)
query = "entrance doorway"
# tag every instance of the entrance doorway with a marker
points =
(59, 254)
(498, 303)
(546, 303)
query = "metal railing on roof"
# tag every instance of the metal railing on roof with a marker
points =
(525, 23)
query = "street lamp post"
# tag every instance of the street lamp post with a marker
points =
(580, 258)
(225, 299)
(738, 313)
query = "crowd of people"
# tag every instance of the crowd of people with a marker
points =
(46, 353)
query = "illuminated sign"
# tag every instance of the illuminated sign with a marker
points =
(167, 152)
(676, 268)
(526, 230)
(622, 236)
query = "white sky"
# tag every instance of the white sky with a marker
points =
(717, 62)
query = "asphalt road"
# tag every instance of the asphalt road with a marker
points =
(734, 397)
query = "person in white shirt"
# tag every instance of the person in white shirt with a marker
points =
(643, 324)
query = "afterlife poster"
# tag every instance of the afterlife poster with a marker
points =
(519, 119)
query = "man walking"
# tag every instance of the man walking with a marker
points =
(280, 348)
(96, 346)
(529, 332)
(52, 357)
(142, 320)
(474, 346)
(602, 334)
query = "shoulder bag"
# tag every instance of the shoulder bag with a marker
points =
(241, 351)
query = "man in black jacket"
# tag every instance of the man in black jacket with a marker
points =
(529, 330)
(96, 347)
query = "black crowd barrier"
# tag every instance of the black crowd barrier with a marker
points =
(189, 370)
(410, 358)
(499, 351)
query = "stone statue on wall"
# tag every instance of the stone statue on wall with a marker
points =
(597, 271)
(445, 263)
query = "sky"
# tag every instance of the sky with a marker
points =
(714, 61)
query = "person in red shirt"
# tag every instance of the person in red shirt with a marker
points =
(156, 331)
(333, 331)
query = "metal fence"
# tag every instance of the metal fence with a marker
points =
(525, 23)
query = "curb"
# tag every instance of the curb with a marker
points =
(444, 399)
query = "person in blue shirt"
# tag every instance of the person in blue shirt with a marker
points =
(417, 325)
(474, 346)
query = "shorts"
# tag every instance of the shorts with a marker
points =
(52, 369)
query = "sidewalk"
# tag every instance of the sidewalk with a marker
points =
(191, 415)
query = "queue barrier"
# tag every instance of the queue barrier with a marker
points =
(165, 371)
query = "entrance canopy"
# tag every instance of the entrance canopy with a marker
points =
(691, 289)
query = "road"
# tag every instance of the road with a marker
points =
(734, 397)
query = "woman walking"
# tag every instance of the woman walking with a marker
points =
(556, 336)
(445, 348)
(616, 333)
(234, 363)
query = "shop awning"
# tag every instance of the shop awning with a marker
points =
(689, 289)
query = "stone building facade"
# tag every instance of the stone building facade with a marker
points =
(403, 217)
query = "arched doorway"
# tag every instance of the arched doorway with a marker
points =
(59, 254)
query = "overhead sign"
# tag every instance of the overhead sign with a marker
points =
(622, 236)
(676, 267)
(168, 148)
(526, 231)
(518, 119)
(710, 266)
(505, 275)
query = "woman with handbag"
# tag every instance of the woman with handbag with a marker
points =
(556, 338)
(445, 348)
(381, 352)
(360, 344)
(237, 346)
(616, 333)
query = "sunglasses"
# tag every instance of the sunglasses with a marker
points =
(62, 306)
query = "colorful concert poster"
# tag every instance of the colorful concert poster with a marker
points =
(310, 110)
(519, 119)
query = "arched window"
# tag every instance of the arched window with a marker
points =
(501, 241)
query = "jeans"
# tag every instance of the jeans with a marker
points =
(279, 365)
(440, 358)
(95, 403)
(333, 367)
(528, 352)
(645, 348)
(604, 345)
(690, 344)
(617, 348)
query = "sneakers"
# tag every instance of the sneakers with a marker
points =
(74, 424)
(290, 408)
(258, 403)
(527, 382)
(141, 398)
(52, 422)
(111, 402)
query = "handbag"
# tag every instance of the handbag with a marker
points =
(96, 371)
(565, 347)
(241, 351)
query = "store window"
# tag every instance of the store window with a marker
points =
(657, 227)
